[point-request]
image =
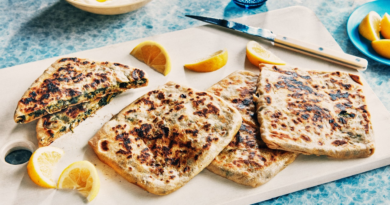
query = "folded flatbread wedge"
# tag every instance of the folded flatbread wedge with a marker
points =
(246, 160)
(50, 127)
(71, 81)
(314, 112)
(166, 137)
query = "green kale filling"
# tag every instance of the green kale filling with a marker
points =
(89, 95)
(74, 100)
(82, 116)
(36, 113)
(101, 90)
(346, 114)
(88, 112)
(106, 99)
(140, 82)
(21, 119)
(63, 129)
(123, 85)
(65, 118)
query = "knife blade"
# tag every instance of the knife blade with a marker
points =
(306, 48)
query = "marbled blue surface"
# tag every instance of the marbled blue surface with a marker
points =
(32, 30)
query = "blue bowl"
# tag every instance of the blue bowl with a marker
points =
(364, 45)
(249, 4)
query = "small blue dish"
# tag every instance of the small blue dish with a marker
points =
(364, 45)
(249, 4)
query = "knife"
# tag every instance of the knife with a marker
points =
(327, 54)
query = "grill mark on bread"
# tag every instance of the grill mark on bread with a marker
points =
(317, 104)
(356, 78)
(104, 145)
(306, 138)
(170, 142)
(71, 81)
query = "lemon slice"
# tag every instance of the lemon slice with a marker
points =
(256, 54)
(385, 26)
(370, 26)
(41, 165)
(382, 47)
(154, 55)
(212, 63)
(81, 176)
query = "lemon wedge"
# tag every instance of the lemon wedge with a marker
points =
(370, 26)
(256, 54)
(41, 165)
(382, 47)
(385, 26)
(212, 63)
(154, 55)
(81, 176)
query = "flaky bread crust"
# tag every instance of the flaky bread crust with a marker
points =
(237, 89)
(149, 156)
(314, 112)
(244, 162)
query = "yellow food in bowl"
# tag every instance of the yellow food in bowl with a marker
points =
(382, 47)
(385, 26)
(370, 26)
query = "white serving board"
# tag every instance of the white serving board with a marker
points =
(183, 46)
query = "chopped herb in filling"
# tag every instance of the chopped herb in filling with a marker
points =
(70, 123)
(63, 104)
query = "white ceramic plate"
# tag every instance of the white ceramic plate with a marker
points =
(109, 9)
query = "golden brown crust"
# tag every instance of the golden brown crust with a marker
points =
(238, 89)
(314, 112)
(71, 81)
(244, 162)
(166, 137)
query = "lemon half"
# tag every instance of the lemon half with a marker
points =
(81, 176)
(41, 165)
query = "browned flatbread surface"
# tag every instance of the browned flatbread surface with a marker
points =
(314, 112)
(166, 137)
(238, 89)
(71, 81)
(246, 160)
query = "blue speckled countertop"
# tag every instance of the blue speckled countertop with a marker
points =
(33, 30)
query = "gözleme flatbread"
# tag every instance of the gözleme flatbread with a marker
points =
(166, 137)
(50, 127)
(246, 160)
(71, 81)
(314, 112)
(238, 89)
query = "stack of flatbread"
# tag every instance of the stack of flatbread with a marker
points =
(246, 160)
(71, 90)
(246, 128)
